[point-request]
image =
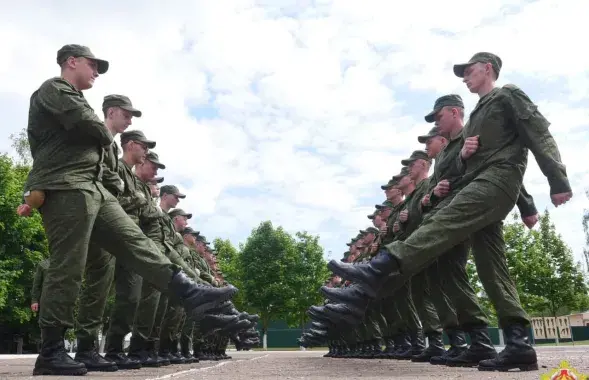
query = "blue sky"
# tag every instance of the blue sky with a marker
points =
(297, 111)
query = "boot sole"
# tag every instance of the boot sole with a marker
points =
(130, 366)
(521, 367)
(59, 372)
(466, 365)
(203, 308)
(103, 369)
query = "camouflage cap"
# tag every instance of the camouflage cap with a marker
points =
(189, 230)
(416, 155)
(362, 232)
(392, 182)
(451, 100)
(404, 172)
(179, 212)
(120, 101)
(373, 215)
(153, 157)
(203, 239)
(384, 205)
(136, 135)
(73, 50)
(171, 189)
(432, 133)
(481, 57)
(372, 230)
(155, 180)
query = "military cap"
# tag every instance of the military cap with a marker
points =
(136, 135)
(372, 230)
(392, 182)
(432, 133)
(153, 157)
(404, 172)
(362, 232)
(155, 180)
(481, 57)
(189, 230)
(202, 239)
(416, 155)
(451, 100)
(385, 204)
(372, 216)
(73, 50)
(179, 212)
(171, 189)
(120, 101)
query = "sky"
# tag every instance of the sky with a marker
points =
(297, 111)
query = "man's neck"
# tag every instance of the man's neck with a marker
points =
(164, 206)
(486, 88)
(456, 130)
(111, 128)
(68, 78)
(397, 200)
(128, 160)
(409, 189)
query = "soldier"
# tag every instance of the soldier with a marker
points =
(76, 207)
(479, 208)
(127, 283)
(100, 265)
(38, 284)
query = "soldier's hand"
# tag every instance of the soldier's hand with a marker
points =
(425, 200)
(383, 229)
(471, 144)
(530, 221)
(374, 247)
(396, 227)
(35, 307)
(562, 198)
(24, 210)
(403, 215)
(442, 188)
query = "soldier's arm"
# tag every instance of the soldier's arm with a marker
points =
(72, 110)
(525, 203)
(37, 284)
(177, 259)
(532, 129)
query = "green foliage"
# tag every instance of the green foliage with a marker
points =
(265, 260)
(307, 272)
(484, 301)
(229, 263)
(548, 280)
(23, 246)
(586, 230)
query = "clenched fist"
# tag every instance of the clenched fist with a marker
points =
(396, 227)
(471, 144)
(442, 188)
(403, 215)
(425, 200)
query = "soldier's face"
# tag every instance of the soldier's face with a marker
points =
(404, 183)
(434, 145)
(445, 120)
(121, 119)
(189, 239)
(385, 214)
(139, 152)
(477, 75)
(155, 190)
(369, 238)
(392, 193)
(181, 222)
(86, 72)
(417, 168)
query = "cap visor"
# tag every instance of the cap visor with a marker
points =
(406, 162)
(101, 64)
(150, 144)
(159, 165)
(370, 216)
(422, 139)
(431, 117)
(459, 69)
(135, 112)
(180, 195)
(188, 216)
(159, 179)
(385, 187)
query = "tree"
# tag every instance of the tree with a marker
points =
(265, 259)
(20, 143)
(484, 301)
(548, 280)
(307, 272)
(23, 245)
(229, 263)
(586, 230)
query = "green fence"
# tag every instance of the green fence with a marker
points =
(281, 336)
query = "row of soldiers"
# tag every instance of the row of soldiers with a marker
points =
(108, 223)
(405, 278)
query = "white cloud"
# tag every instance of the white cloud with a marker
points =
(310, 105)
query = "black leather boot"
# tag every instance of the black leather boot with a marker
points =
(481, 348)
(53, 358)
(199, 298)
(87, 354)
(403, 345)
(518, 353)
(457, 340)
(434, 348)
(115, 353)
(138, 351)
(185, 349)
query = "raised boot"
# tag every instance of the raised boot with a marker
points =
(115, 354)
(434, 348)
(198, 298)
(53, 358)
(518, 353)
(481, 348)
(88, 355)
(373, 275)
(457, 340)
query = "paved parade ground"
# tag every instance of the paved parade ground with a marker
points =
(308, 365)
